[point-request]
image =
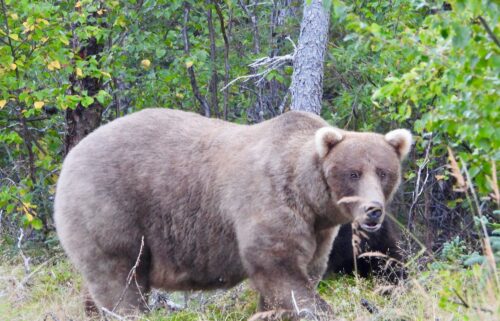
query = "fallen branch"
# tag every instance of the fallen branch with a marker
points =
(38, 268)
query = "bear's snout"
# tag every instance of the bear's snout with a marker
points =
(374, 215)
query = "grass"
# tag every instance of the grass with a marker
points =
(53, 291)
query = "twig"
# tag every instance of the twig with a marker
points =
(38, 268)
(423, 248)
(111, 313)
(302, 312)
(26, 260)
(132, 275)
(420, 189)
(192, 77)
(489, 31)
(486, 238)
(465, 304)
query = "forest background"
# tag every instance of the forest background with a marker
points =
(67, 67)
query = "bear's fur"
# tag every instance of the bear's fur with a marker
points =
(376, 252)
(216, 203)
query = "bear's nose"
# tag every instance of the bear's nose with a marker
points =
(374, 211)
(375, 215)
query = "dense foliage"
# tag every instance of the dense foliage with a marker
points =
(431, 66)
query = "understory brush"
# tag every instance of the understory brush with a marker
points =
(51, 290)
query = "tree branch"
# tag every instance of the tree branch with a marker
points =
(489, 31)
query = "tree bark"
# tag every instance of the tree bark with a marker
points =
(307, 79)
(83, 120)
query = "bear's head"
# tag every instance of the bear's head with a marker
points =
(362, 171)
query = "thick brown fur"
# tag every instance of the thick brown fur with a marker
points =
(216, 203)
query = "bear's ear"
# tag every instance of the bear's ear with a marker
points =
(401, 140)
(325, 138)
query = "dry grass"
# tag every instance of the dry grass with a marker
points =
(53, 291)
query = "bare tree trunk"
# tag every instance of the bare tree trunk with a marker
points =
(307, 78)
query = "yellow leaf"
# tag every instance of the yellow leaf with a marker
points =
(3, 102)
(28, 27)
(40, 20)
(14, 36)
(64, 40)
(107, 74)
(145, 63)
(189, 63)
(13, 66)
(39, 104)
(101, 12)
(179, 95)
(79, 72)
(440, 177)
(54, 65)
(14, 16)
(29, 216)
(78, 4)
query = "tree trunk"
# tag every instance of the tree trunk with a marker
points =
(307, 79)
(205, 108)
(214, 100)
(83, 120)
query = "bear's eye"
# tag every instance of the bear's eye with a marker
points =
(381, 173)
(355, 175)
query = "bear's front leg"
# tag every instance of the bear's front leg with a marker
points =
(276, 262)
(324, 242)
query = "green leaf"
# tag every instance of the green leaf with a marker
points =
(476, 259)
(462, 35)
(37, 223)
(87, 101)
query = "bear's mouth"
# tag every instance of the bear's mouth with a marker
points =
(371, 226)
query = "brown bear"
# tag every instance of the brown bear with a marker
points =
(215, 203)
(375, 252)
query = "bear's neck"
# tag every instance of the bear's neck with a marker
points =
(311, 186)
